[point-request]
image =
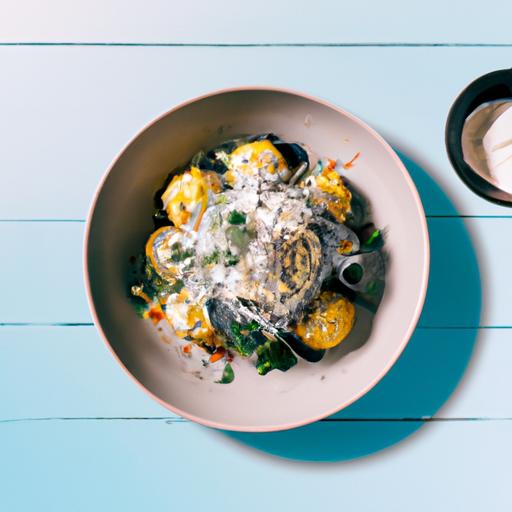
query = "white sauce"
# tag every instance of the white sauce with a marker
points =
(487, 143)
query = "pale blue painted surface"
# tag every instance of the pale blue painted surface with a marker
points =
(75, 433)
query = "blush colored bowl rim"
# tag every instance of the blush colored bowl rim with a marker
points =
(412, 323)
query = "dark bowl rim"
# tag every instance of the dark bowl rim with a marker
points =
(489, 87)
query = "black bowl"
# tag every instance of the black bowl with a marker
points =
(490, 87)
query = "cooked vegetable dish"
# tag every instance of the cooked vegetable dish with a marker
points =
(260, 250)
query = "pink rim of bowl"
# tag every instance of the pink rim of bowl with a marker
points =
(413, 321)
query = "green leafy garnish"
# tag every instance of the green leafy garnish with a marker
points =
(179, 254)
(139, 305)
(177, 286)
(228, 375)
(221, 199)
(274, 355)
(236, 217)
(230, 259)
(147, 280)
(214, 257)
(238, 236)
(246, 337)
(374, 242)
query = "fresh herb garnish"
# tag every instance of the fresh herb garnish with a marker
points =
(228, 375)
(214, 258)
(246, 337)
(179, 254)
(221, 199)
(230, 259)
(374, 241)
(151, 283)
(274, 355)
(140, 306)
(238, 236)
(177, 286)
(235, 217)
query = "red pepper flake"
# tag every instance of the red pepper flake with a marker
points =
(156, 314)
(350, 164)
(219, 354)
(229, 356)
(187, 349)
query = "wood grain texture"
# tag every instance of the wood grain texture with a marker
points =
(270, 21)
(84, 465)
(46, 258)
(75, 433)
(67, 372)
(67, 111)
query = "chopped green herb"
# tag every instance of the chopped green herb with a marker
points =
(228, 375)
(177, 286)
(236, 217)
(221, 199)
(375, 240)
(216, 222)
(214, 258)
(179, 254)
(238, 236)
(251, 326)
(151, 283)
(246, 337)
(274, 355)
(230, 259)
(139, 305)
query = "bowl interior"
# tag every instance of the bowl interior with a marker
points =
(121, 221)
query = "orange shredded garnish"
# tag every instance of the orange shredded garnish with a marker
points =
(219, 354)
(156, 314)
(331, 164)
(350, 163)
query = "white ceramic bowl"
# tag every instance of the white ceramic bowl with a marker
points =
(120, 221)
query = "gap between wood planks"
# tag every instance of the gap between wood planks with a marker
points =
(170, 419)
(266, 45)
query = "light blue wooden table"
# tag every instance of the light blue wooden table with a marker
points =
(77, 80)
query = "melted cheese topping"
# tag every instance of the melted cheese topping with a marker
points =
(186, 198)
(334, 194)
(187, 318)
(161, 247)
(255, 161)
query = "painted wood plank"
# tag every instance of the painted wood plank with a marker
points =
(129, 466)
(271, 21)
(42, 273)
(66, 111)
(57, 372)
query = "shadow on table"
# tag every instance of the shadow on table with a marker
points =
(426, 373)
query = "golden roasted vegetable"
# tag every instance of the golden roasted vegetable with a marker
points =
(329, 323)
(186, 198)
(170, 251)
(256, 159)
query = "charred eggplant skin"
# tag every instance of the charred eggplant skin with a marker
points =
(300, 348)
